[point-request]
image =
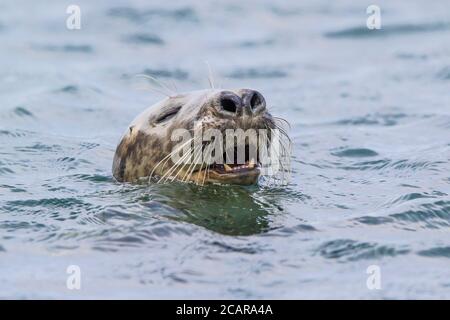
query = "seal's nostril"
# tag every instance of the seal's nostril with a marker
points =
(255, 101)
(228, 105)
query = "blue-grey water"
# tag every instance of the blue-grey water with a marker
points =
(370, 125)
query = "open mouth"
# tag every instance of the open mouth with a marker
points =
(234, 167)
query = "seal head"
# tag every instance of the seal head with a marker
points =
(147, 147)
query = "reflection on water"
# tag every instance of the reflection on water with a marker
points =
(229, 210)
(369, 111)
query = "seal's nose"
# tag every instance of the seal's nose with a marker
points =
(253, 102)
(230, 103)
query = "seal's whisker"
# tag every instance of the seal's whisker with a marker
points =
(157, 81)
(187, 171)
(282, 169)
(282, 120)
(155, 90)
(182, 167)
(206, 174)
(207, 148)
(160, 83)
(283, 132)
(199, 171)
(285, 139)
(166, 158)
(207, 166)
(285, 149)
(210, 76)
(174, 86)
(184, 179)
(166, 176)
(192, 166)
(171, 169)
(198, 175)
(284, 154)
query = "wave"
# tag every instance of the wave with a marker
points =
(5, 171)
(351, 250)
(66, 48)
(361, 32)
(46, 202)
(15, 188)
(15, 133)
(22, 112)
(247, 248)
(178, 74)
(382, 119)
(143, 39)
(254, 73)
(354, 152)
(140, 16)
(444, 73)
(290, 231)
(404, 164)
(432, 215)
(437, 252)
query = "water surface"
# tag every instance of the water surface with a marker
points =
(370, 117)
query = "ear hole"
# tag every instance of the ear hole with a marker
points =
(167, 115)
(228, 105)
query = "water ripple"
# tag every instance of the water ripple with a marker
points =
(444, 73)
(434, 215)
(437, 252)
(247, 248)
(382, 119)
(22, 112)
(384, 164)
(354, 152)
(144, 39)
(389, 30)
(350, 250)
(253, 73)
(138, 16)
(67, 48)
(15, 188)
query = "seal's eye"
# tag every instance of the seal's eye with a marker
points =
(228, 105)
(167, 115)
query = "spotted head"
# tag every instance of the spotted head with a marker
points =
(151, 145)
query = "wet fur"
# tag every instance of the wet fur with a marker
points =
(146, 142)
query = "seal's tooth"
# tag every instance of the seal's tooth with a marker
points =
(252, 163)
(227, 167)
